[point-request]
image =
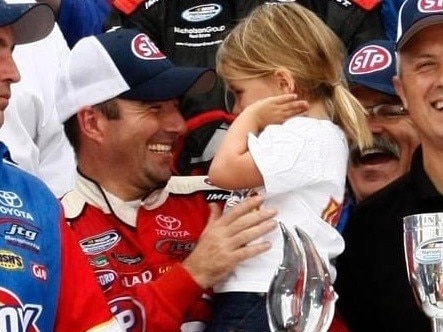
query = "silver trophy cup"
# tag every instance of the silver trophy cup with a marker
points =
(423, 245)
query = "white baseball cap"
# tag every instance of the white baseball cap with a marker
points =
(123, 63)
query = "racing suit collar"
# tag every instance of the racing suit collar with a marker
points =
(92, 193)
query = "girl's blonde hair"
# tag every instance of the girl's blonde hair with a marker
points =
(292, 37)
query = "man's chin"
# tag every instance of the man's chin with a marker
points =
(371, 188)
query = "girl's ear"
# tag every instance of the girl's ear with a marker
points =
(285, 81)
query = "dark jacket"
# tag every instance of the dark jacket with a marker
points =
(372, 281)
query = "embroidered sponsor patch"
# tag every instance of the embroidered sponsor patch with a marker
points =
(145, 49)
(15, 315)
(106, 278)
(10, 260)
(99, 261)
(202, 12)
(129, 313)
(127, 259)
(39, 271)
(99, 243)
(20, 233)
(370, 59)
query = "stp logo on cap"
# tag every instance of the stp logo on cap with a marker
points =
(144, 48)
(430, 6)
(369, 59)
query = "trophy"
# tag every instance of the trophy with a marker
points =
(300, 297)
(423, 245)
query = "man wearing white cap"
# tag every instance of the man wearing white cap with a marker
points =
(45, 282)
(375, 294)
(156, 251)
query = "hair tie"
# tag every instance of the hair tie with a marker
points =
(334, 85)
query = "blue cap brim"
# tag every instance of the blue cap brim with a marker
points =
(172, 83)
(29, 21)
(418, 26)
(384, 88)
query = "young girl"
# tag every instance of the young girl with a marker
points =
(280, 61)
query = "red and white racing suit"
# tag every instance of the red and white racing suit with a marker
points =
(136, 249)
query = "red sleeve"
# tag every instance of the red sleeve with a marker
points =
(168, 298)
(82, 305)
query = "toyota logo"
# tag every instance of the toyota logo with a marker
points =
(11, 199)
(168, 222)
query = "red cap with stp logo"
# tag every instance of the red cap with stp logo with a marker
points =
(123, 63)
(373, 65)
(416, 15)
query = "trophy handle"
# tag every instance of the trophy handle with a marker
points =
(287, 287)
(319, 299)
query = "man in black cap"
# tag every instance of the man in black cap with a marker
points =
(45, 282)
(375, 294)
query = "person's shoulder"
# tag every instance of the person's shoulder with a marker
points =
(309, 122)
(73, 204)
(187, 187)
(29, 194)
(24, 178)
(313, 128)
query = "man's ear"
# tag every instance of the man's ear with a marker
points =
(90, 122)
(398, 85)
(285, 81)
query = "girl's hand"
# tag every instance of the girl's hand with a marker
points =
(276, 109)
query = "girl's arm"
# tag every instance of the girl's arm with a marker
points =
(233, 167)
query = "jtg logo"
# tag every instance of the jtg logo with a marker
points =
(22, 231)
(369, 59)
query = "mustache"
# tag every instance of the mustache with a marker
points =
(381, 145)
